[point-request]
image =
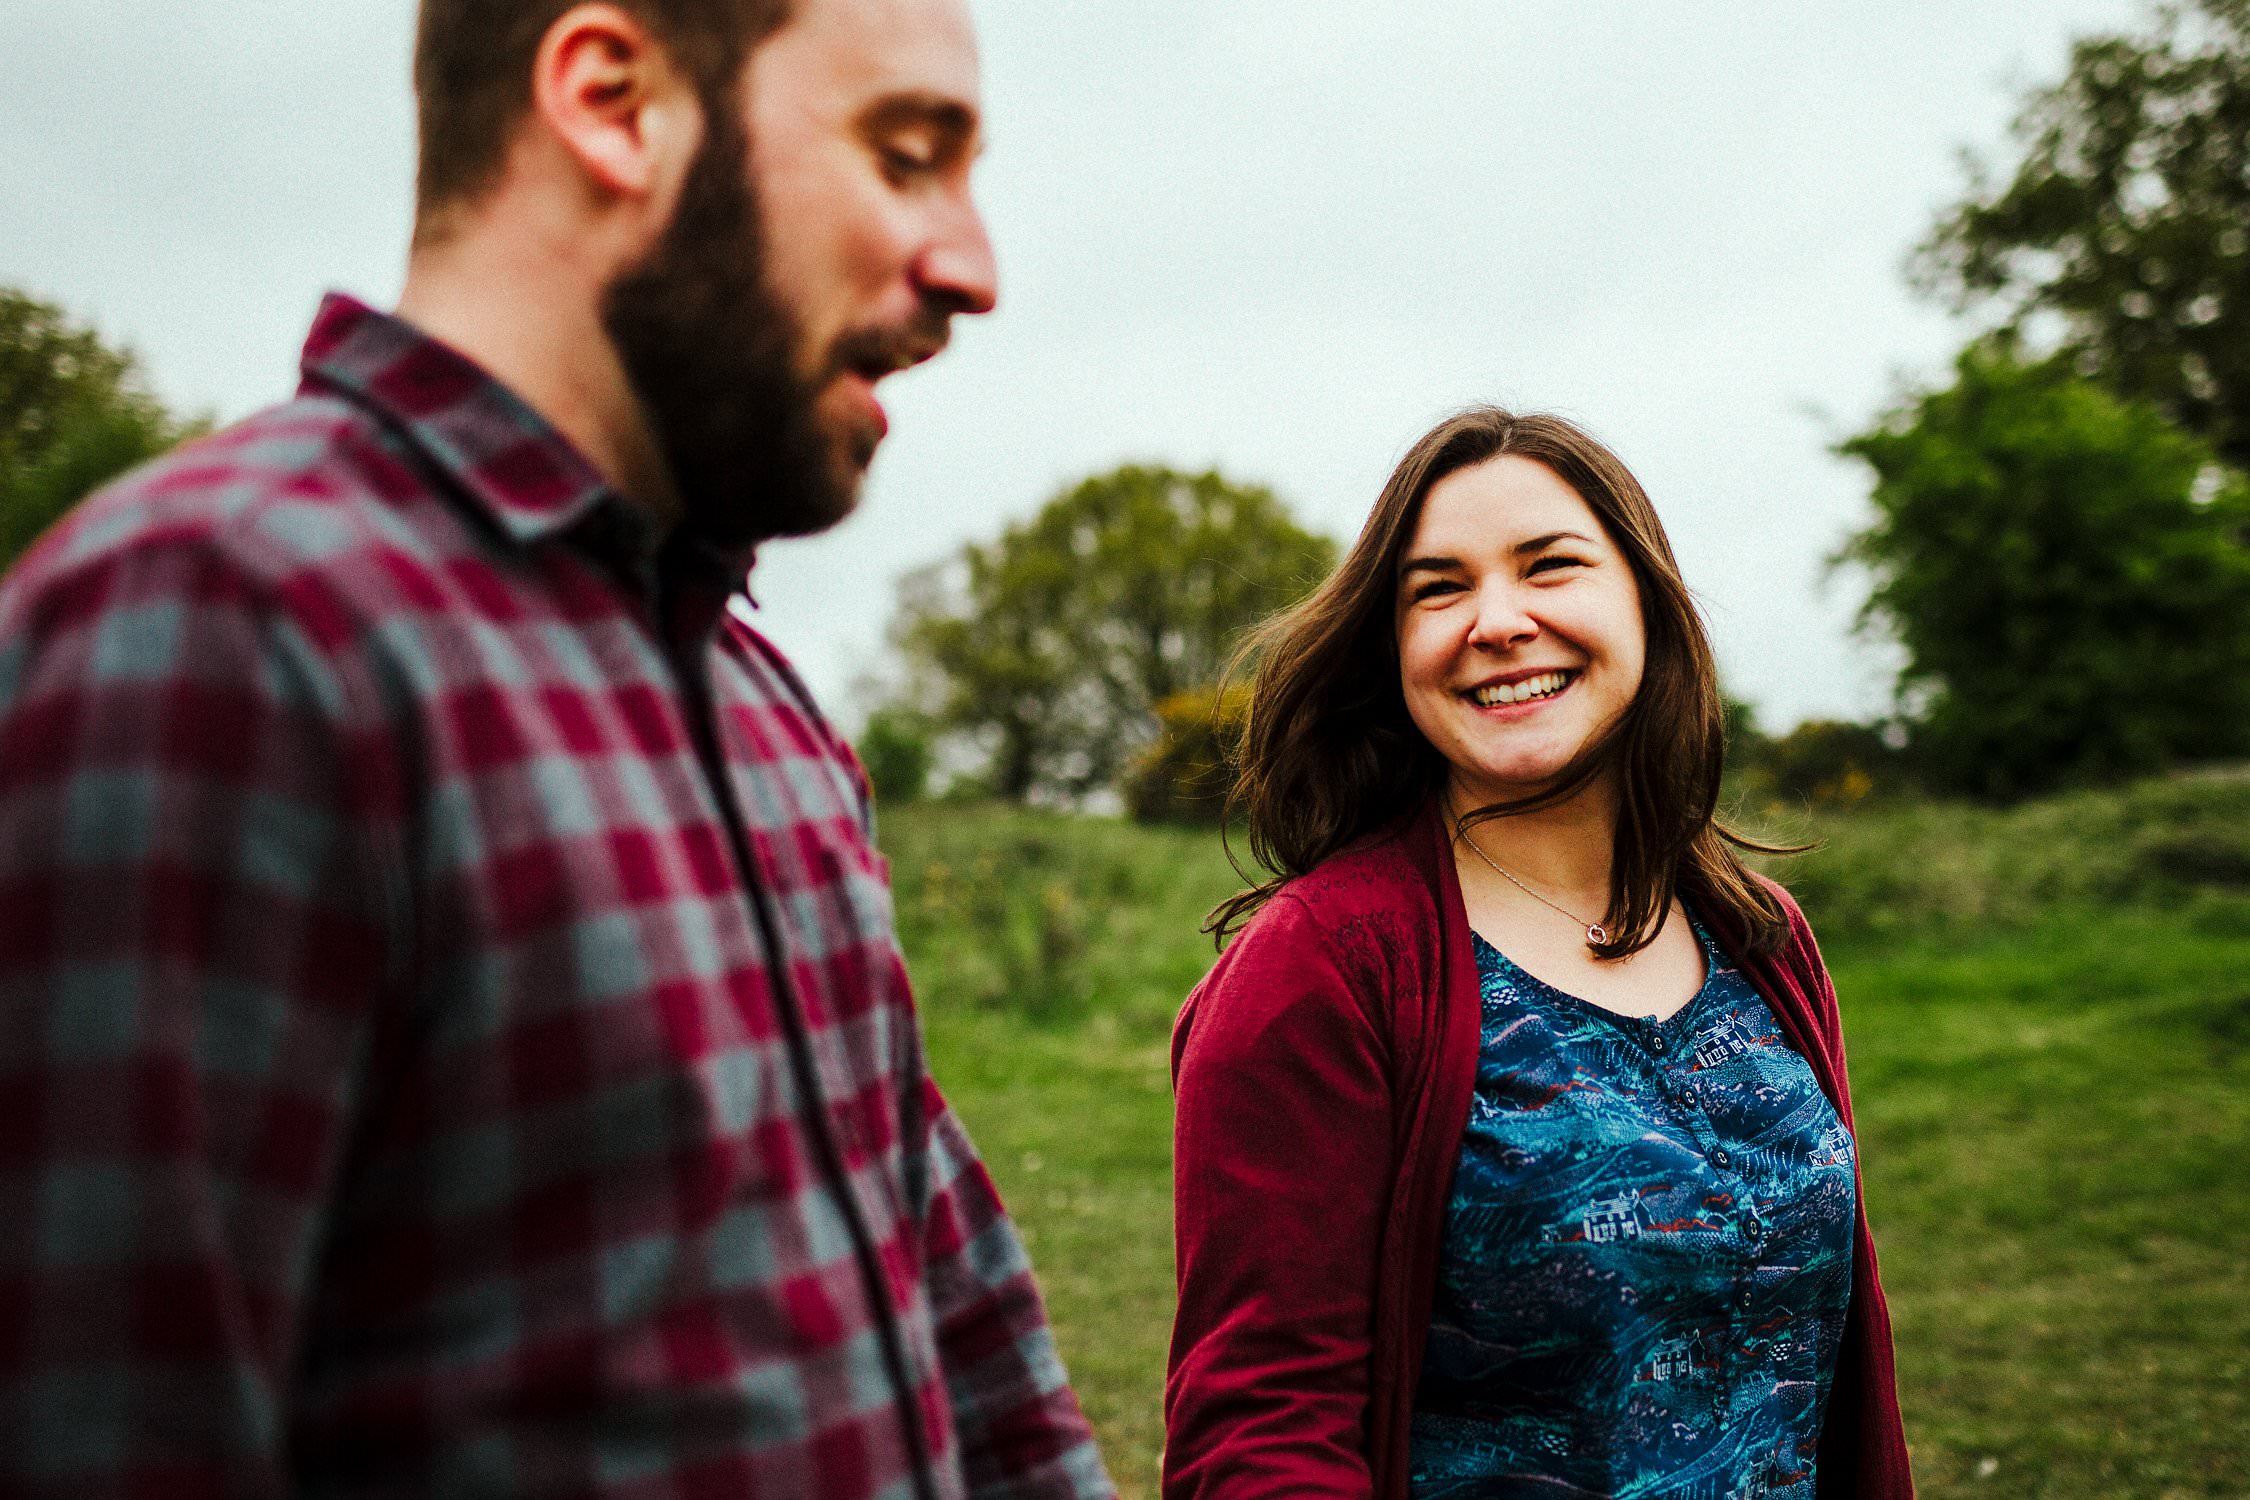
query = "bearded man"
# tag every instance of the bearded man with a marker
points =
(452, 1040)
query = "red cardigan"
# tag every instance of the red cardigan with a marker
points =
(1324, 1070)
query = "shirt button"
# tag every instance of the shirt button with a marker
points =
(1742, 1299)
(1656, 1043)
(1722, 1158)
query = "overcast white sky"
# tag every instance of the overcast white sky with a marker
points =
(1277, 236)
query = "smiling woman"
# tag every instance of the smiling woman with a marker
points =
(1361, 713)
(1513, 1147)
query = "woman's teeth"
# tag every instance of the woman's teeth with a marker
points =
(1545, 685)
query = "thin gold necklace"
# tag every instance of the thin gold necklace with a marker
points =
(1596, 933)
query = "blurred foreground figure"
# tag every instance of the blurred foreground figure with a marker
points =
(452, 1040)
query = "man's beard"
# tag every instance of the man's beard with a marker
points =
(708, 349)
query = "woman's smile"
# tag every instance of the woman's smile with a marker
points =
(1523, 690)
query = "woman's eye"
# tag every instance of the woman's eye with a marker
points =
(1433, 588)
(1551, 562)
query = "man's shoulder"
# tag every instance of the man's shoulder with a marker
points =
(290, 488)
(799, 730)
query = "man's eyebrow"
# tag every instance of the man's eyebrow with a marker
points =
(952, 121)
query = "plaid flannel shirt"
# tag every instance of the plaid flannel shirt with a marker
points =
(452, 1038)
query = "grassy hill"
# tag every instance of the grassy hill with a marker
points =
(2048, 1011)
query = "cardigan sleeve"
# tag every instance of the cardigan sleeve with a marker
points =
(1798, 974)
(1806, 949)
(1863, 1450)
(1282, 1179)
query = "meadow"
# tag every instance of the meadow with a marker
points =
(2048, 1015)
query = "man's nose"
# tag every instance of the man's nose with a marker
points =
(956, 268)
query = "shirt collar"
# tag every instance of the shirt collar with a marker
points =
(506, 459)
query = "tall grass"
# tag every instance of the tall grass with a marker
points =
(1053, 919)
(2177, 842)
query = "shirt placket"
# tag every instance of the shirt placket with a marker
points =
(1675, 1066)
(688, 615)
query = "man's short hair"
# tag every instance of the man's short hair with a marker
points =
(472, 74)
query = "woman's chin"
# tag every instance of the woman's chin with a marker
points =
(1483, 787)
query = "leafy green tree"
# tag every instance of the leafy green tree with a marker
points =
(2068, 572)
(1049, 647)
(2125, 227)
(73, 414)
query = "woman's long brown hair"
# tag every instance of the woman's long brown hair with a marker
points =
(1328, 756)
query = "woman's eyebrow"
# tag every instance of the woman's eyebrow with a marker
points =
(1542, 543)
(1521, 549)
(1428, 565)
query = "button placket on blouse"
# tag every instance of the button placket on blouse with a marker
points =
(1749, 1224)
(1673, 1071)
(1663, 1071)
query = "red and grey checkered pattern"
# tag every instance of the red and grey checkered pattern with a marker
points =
(452, 1040)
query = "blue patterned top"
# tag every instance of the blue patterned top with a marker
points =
(1647, 1254)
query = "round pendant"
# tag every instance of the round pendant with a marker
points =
(1596, 933)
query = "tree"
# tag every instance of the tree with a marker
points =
(73, 414)
(1050, 647)
(2068, 572)
(2125, 228)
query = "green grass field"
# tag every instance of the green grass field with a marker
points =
(2048, 1013)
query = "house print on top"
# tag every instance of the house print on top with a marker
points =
(1835, 1148)
(1715, 1044)
(1676, 1359)
(1609, 1220)
(1771, 1480)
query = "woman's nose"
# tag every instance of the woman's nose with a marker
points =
(1502, 620)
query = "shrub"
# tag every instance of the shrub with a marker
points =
(1184, 777)
(1825, 762)
(896, 750)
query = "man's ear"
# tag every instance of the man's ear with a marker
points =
(609, 92)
